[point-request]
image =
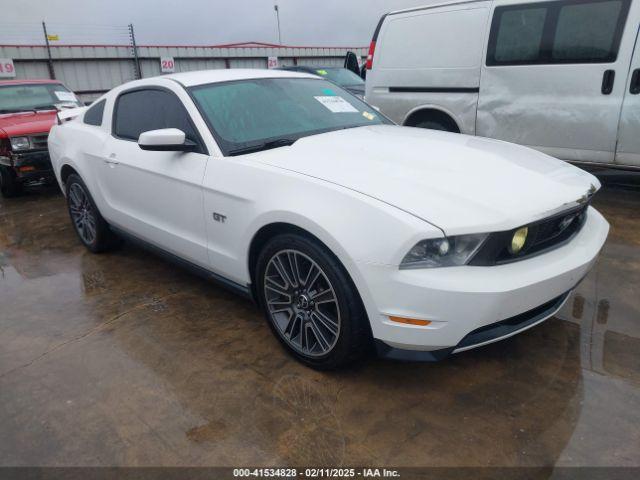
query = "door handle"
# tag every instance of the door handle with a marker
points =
(111, 162)
(634, 89)
(607, 82)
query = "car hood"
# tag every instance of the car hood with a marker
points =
(460, 183)
(25, 123)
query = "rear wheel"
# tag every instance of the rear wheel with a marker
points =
(434, 125)
(310, 302)
(9, 186)
(92, 229)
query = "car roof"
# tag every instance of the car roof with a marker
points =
(191, 79)
(29, 82)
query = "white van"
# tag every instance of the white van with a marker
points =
(562, 77)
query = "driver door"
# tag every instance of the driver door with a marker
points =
(155, 195)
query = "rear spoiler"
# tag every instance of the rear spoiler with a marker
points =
(69, 114)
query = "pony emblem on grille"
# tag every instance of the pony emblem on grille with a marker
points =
(587, 196)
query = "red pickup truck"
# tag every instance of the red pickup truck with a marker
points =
(28, 110)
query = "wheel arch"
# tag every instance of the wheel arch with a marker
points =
(66, 171)
(431, 112)
(270, 230)
(278, 227)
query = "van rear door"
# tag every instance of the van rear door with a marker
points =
(628, 147)
(554, 76)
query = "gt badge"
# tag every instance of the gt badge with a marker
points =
(218, 217)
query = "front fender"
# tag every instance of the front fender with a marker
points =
(245, 196)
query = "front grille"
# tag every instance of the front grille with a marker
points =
(543, 236)
(39, 142)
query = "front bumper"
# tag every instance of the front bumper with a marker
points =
(32, 166)
(467, 305)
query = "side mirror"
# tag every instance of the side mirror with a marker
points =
(166, 140)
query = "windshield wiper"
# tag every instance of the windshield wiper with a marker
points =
(278, 142)
(28, 109)
(44, 107)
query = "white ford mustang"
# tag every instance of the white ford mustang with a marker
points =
(345, 228)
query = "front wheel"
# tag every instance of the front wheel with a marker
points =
(92, 229)
(310, 302)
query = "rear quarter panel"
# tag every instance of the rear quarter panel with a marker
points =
(80, 147)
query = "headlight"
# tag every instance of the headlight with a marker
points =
(443, 252)
(20, 143)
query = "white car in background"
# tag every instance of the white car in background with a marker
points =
(344, 227)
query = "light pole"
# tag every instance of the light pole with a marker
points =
(275, 7)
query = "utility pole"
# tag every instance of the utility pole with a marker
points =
(275, 7)
(52, 72)
(136, 60)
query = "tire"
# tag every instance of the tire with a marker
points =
(9, 187)
(315, 312)
(92, 229)
(434, 125)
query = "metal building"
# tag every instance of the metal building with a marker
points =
(91, 70)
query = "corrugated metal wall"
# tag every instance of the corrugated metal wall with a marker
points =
(91, 70)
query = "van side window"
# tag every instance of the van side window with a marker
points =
(520, 35)
(557, 32)
(93, 116)
(586, 31)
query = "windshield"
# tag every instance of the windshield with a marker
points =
(248, 113)
(341, 76)
(45, 96)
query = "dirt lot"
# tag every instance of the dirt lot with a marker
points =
(124, 359)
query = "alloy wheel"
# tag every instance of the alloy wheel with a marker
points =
(302, 303)
(82, 213)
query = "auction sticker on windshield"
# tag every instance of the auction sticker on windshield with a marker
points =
(336, 104)
(66, 96)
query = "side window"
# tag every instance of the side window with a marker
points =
(519, 37)
(93, 116)
(588, 32)
(569, 31)
(143, 110)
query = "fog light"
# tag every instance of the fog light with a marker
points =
(518, 240)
